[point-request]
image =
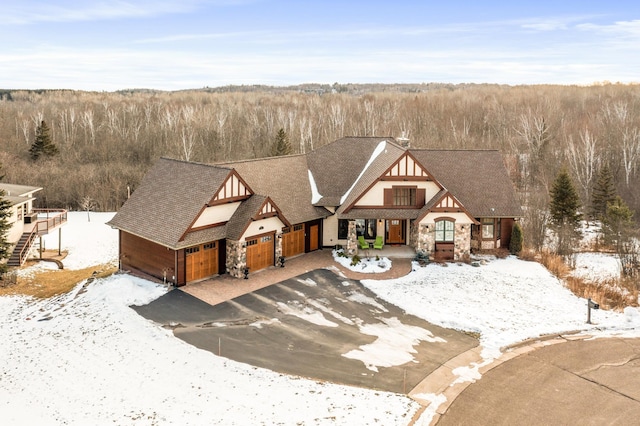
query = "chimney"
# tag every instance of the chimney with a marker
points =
(403, 140)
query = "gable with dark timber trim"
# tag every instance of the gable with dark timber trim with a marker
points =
(269, 209)
(447, 203)
(405, 168)
(234, 188)
(408, 168)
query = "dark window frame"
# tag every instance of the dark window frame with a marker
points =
(368, 228)
(445, 230)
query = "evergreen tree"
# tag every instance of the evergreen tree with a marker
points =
(604, 192)
(565, 201)
(617, 222)
(515, 245)
(42, 145)
(565, 219)
(5, 213)
(281, 145)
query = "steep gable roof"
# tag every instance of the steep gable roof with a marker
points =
(285, 180)
(477, 178)
(251, 210)
(168, 200)
(443, 202)
(338, 165)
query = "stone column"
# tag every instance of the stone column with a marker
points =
(462, 248)
(278, 248)
(352, 239)
(236, 258)
(426, 239)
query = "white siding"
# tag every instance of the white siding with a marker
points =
(216, 214)
(17, 226)
(268, 225)
(375, 195)
(330, 231)
(460, 218)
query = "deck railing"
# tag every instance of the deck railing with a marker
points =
(52, 218)
(49, 219)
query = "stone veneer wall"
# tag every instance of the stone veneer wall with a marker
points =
(236, 259)
(352, 239)
(425, 242)
(462, 240)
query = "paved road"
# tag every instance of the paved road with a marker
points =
(266, 328)
(583, 382)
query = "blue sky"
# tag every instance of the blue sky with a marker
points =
(181, 44)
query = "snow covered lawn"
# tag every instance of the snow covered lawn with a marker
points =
(87, 358)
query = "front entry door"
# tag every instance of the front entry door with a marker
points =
(395, 231)
(314, 237)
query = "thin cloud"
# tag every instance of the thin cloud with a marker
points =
(28, 12)
(624, 28)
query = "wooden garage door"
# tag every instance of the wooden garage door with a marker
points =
(201, 261)
(260, 252)
(293, 241)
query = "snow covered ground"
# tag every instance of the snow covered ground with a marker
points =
(87, 358)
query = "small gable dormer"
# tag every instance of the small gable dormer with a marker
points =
(234, 188)
(407, 168)
(447, 203)
(268, 209)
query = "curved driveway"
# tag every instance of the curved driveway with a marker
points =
(585, 382)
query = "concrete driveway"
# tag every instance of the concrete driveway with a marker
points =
(316, 325)
(580, 382)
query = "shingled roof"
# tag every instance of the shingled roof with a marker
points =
(284, 179)
(168, 200)
(477, 178)
(18, 194)
(336, 166)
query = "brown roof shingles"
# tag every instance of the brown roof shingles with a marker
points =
(477, 178)
(285, 180)
(336, 166)
(168, 200)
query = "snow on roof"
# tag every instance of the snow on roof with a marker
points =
(379, 150)
(315, 195)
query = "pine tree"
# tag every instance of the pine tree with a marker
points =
(5, 213)
(604, 192)
(617, 222)
(565, 201)
(281, 145)
(515, 245)
(565, 218)
(42, 145)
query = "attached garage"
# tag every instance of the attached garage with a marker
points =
(260, 251)
(201, 261)
(293, 240)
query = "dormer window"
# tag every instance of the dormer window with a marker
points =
(403, 196)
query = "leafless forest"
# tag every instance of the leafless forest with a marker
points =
(107, 141)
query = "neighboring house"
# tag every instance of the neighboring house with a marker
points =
(26, 222)
(21, 198)
(188, 221)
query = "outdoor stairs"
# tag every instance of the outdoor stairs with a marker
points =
(15, 259)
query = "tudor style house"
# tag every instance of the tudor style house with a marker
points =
(188, 221)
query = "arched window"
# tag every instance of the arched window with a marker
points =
(445, 231)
